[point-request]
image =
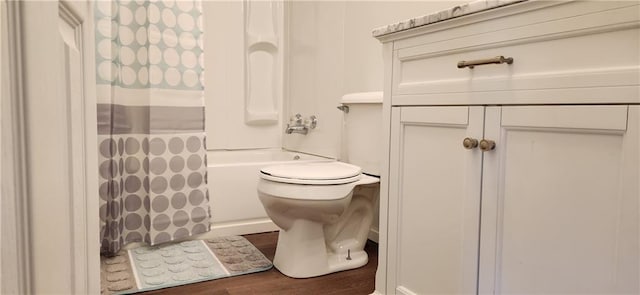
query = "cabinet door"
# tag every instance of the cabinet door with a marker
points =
(434, 199)
(560, 201)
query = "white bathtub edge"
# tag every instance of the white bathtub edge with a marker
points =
(262, 225)
(240, 227)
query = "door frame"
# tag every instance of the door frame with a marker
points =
(18, 115)
(14, 235)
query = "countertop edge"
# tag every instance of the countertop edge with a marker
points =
(442, 15)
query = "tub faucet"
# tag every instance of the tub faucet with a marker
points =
(297, 129)
(300, 126)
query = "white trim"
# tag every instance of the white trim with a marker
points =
(374, 235)
(382, 273)
(76, 31)
(22, 172)
(253, 226)
(14, 236)
(242, 227)
(583, 78)
(404, 291)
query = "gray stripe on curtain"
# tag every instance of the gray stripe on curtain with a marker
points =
(121, 119)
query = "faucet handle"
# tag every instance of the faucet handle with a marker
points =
(313, 122)
(297, 119)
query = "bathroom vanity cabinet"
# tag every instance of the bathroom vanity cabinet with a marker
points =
(553, 208)
(514, 178)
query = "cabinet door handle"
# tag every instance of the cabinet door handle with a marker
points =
(496, 60)
(469, 143)
(487, 145)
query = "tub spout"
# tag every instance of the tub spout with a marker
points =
(301, 126)
(301, 129)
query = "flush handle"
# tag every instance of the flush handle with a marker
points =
(344, 108)
(487, 145)
(470, 143)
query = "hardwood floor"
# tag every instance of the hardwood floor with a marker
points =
(351, 282)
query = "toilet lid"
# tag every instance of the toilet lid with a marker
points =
(312, 173)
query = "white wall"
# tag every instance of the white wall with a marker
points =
(224, 82)
(363, 53)
(332, 53)
(329, 52)
(315, 75)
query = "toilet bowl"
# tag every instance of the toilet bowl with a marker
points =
(324, 225)
(325, 210)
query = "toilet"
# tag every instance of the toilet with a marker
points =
(325, 210)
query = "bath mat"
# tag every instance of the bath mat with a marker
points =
(150, 268)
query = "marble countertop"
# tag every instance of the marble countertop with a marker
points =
(453, 12)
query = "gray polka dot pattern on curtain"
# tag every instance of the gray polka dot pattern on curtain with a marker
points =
(158, 202)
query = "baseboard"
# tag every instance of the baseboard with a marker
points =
(242, 227)
(374, 235)
(404, 291)
(253, 226)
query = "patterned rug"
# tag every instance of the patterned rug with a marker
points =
(163, 266)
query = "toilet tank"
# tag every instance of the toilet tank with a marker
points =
(363, 130)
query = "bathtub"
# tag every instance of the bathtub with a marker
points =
(233, 178)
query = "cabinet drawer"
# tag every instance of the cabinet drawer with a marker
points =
(575, 52)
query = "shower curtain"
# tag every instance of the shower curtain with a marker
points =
(151, 140)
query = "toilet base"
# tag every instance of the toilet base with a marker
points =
(302, 252)
(339, 262)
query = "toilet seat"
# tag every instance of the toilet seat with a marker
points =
(322, 173)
